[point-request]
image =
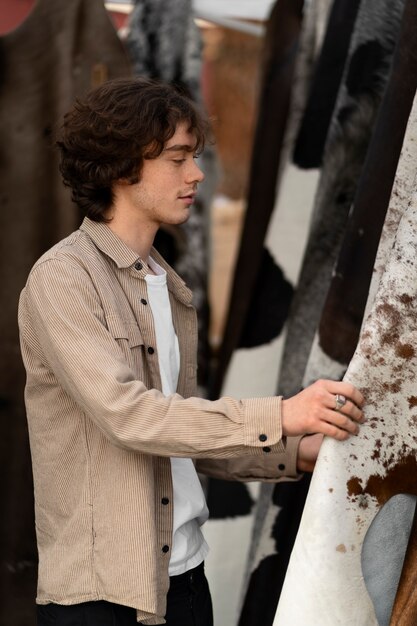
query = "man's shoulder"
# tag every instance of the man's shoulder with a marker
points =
(76, 248)
(72, 266)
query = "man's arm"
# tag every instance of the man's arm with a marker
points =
(61, 313)
(65, 314)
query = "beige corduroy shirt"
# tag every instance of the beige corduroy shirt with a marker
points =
(102, 433)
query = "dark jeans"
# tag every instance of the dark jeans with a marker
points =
(188, 604)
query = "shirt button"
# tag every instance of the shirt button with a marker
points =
(150, 350)
(266, 449)
(138, 265)
(281, 467)
(144, 301)
(263, 437)
(165, 500)
(165, 549)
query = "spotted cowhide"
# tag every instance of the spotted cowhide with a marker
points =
(343, 310)
(353, 480)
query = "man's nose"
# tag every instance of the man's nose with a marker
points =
(194, 174)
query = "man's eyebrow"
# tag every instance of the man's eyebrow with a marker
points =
(180, 147)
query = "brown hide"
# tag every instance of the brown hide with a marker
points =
(231, 84)
(404, 612)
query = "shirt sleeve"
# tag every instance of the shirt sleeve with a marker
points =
(65, 314)
(272, 467)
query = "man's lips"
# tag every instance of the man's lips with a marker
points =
(188, 198)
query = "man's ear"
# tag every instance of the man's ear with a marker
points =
(126, 180)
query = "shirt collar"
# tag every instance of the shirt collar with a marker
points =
(109, 243)
(124, 257)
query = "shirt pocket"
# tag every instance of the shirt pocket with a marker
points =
(129, 338)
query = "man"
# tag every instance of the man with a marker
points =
(108, 336)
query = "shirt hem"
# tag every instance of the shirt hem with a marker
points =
(190, 563)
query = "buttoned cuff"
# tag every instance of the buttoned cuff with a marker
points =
(286, 462)
(270, 467)
(262, 427)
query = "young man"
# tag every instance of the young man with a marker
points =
(108, 336)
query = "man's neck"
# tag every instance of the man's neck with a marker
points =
(135, 234)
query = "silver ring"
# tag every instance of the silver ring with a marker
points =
(340, 402)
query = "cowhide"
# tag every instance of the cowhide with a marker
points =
(345, 303)
(344, 306)
(354, 479)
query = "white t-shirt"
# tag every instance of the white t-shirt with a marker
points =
(189, 547)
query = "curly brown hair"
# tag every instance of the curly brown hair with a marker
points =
(107, 135)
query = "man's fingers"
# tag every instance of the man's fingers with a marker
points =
(333, 431)
(335, 424)
(349, 408)
(347, 390)
(352, 411)
(329, 407)
(341, 421)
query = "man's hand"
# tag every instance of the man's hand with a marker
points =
(308, 450)
(328, 407)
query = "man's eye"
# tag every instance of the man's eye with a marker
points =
(178, 160)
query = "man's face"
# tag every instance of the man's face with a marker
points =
(168, 184)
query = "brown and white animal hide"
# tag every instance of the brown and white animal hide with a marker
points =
(345, 303)
(353, 480)
(60, 51)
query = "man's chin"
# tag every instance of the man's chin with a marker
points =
(184, 217)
